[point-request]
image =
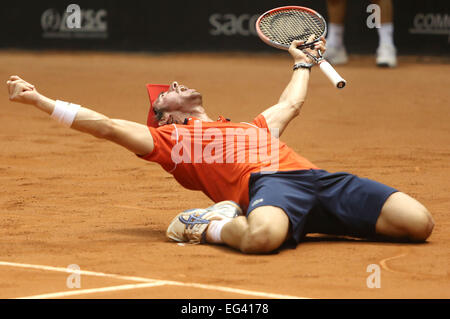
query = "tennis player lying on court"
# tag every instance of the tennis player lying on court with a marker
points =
(284, 196)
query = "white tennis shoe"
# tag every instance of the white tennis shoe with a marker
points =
(386, 56)
(336, 55)
(190, 226)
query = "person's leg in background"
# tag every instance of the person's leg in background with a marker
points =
(336, 53)
(386, 52)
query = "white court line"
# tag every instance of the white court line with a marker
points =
(81, 272)
(153, 281)
(92, 291)
(235, 290)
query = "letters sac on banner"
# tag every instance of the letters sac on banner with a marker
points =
(230, 24)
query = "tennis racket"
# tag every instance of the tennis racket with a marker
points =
(280, 26)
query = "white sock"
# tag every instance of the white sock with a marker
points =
(214, 232)
(386, 34)
(335, 36)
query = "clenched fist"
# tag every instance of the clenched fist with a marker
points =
(22, 91)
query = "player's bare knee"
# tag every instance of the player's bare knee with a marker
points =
(421, 226)
(261, 241)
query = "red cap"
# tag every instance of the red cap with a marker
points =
(154, 90)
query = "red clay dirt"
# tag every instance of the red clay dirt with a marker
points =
(68, 198)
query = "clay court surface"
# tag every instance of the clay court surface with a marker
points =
(68, 198)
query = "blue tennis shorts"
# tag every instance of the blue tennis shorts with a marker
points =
(317, 201)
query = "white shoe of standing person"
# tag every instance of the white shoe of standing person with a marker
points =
(387, 56)
(336, 55)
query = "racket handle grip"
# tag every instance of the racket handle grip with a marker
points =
(331, 73)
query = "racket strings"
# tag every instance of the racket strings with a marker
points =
(285, 26)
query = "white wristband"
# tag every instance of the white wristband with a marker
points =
(65, 113)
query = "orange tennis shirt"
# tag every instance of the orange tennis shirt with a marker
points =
(217, 158)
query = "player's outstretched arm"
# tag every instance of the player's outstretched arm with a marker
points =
(133, 136)
(294, 95)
